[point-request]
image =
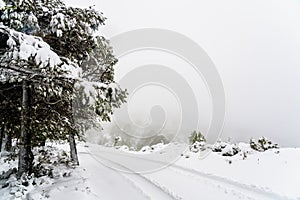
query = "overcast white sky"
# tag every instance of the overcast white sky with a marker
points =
(254, 44)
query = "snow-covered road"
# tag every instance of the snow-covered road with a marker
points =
(115, 184)
(115, 174)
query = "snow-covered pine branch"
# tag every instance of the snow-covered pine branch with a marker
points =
(26, 55)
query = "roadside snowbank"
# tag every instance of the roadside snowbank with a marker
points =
(275, 170)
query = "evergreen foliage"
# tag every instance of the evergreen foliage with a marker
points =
(67, 68)
(262, 144)
(196, 137)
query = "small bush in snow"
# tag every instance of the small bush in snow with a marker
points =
(230, 150)
(118, 139)
(47, 158)
(262, 144)
(218, 146)
(197, 146)
(225, 149)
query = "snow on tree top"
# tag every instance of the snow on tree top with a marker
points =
(25, 48)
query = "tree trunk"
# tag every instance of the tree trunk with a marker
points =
(73, 150)
(8, 142)
(25, 153)
(1, 136)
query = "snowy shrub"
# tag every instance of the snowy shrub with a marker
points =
(225, 149)
(117, 140)
(20, 188)
(47, 159)
(262, 144)
(197, 146)
(50, 163)
(230, 150)
(218, 146)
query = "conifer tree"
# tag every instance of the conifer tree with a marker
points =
(54, 73)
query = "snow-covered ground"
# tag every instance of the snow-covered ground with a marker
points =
(110, 173)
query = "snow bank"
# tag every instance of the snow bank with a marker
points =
(275, 170)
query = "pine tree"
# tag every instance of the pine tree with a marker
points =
(196, 137)
(49, 52)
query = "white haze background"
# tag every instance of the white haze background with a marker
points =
(254, 44)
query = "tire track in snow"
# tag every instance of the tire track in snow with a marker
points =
(242, 188)
(160, 191)
(138, 189)
(239, 187)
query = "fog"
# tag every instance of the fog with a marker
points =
(254, 44)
